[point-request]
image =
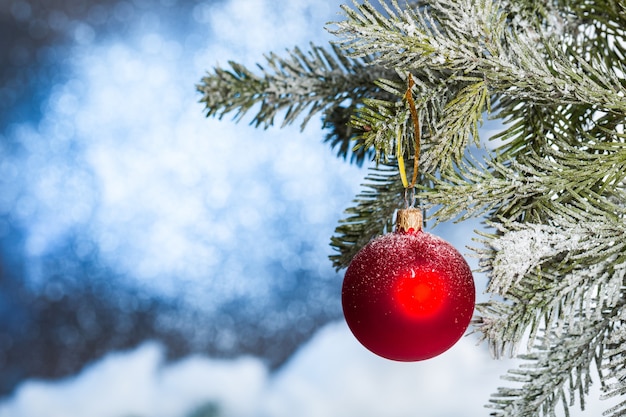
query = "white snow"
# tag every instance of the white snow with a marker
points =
(139, 383)
(330, 376)
(529, 245)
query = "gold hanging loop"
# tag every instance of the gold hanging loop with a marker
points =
(416, 128)
(409, 188)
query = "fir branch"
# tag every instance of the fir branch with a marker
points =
(548, 299)
(443, 112)
(475, 39)
(557, 372)
(553, 191)
(382, 123)
(298, 85)
(452, 103)
(565, 270)
(595, 28)
(614, 367)
(551, 290)
(535, 187)
(371, 216)
(344, 136)
(539, 128)
(522, 248)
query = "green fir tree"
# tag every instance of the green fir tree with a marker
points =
(551, 190)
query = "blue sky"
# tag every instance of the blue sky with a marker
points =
(197, 209)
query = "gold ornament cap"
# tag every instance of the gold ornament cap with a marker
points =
(409, 220)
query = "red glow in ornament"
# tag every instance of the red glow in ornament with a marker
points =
(408, 295)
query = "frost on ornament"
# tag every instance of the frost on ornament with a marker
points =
(408, 295)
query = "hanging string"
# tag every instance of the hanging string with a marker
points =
(416, 128)
(409, 189)
(399, 152)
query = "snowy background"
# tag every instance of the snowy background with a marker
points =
(155, 263)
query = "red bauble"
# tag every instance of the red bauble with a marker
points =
(408, 295)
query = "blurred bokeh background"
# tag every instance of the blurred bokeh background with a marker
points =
(155, 263)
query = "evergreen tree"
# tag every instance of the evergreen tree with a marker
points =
(552, 190)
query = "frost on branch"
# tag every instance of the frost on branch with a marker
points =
(551, 276)
(562, 287)
(297, 87)
(528, 246)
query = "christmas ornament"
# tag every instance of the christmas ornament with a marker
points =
(408, 295)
